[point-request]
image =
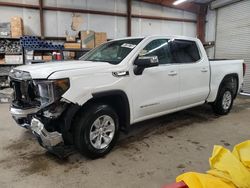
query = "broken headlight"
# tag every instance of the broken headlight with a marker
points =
(50, 91)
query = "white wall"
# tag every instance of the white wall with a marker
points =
(57, 23)
(30, 16)
(144, 27)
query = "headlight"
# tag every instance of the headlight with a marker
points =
(51, 90)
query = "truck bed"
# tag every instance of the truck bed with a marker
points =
(221, 67)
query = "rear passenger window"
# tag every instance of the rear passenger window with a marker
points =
(159, 48)
(184, 51)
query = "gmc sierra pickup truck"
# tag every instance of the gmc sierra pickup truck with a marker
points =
(86, 103)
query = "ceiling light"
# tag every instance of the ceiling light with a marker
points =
(179, 2)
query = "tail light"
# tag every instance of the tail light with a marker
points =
(244, 69)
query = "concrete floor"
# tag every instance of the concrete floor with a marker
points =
(153, 154)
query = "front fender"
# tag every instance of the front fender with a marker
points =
(82, 87)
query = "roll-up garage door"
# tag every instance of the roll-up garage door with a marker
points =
(233, 35)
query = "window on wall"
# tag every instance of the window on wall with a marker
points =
(184, 51)
(159, 48)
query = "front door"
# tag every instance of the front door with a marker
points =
(156, 91)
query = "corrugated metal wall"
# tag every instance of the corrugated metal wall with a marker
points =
(30, 17)
(233, 35)
(58, 23)
(147, 27)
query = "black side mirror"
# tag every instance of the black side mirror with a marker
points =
(145, 62)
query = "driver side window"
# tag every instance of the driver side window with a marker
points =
(159, 48)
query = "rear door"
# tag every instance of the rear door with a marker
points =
(194, 72)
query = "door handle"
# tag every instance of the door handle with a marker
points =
(204, 70)
(172, 73)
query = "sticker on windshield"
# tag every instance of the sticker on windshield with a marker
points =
(126, 45)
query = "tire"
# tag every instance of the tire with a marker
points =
(224, 101)
(104, 137)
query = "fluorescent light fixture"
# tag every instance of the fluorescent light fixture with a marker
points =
(179, 2)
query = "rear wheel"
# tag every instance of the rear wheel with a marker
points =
(224, 101)
(96, 130)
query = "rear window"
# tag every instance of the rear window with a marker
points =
(184, 51)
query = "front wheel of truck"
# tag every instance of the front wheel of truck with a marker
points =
(96, 130)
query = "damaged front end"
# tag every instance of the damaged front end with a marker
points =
(38, 105)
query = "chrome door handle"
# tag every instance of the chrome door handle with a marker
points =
(204, 70)
(172, 73)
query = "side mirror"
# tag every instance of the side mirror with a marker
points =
(145, 62)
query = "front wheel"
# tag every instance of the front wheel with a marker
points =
(224, 101)
(96, 130)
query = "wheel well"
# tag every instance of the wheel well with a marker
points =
(118, 101)
(231, 81)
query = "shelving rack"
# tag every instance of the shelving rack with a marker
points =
(43, 50)
(5, 68)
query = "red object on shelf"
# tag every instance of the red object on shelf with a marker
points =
(176, 185)
(58, 56)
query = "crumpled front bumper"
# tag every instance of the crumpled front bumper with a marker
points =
(45, 138)
(25, 118)
(43, 123)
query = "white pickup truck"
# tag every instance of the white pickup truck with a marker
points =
(86, 103)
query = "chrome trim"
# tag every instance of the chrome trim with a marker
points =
(120, 73)
(25, 125)
(22, 113)
(48, 139)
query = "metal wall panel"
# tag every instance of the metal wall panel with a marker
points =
(145, 27)
(58, 23)
(66, 4)
(103, 24)
(113, 25)
(32, 2)
(116, 26)
(30, 18)
(233, 35)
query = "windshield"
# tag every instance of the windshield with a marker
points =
(112, 52)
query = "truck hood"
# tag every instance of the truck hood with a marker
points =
(44, 70)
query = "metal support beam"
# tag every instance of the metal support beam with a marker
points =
(129, 17)
(41, 18)
(19, 5)
(84, 11)
(201, 22)
(163, 18)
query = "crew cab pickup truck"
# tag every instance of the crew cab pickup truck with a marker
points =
(86, 103)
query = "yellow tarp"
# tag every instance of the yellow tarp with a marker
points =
(197, 180)
(228, 169)
(242, 152)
